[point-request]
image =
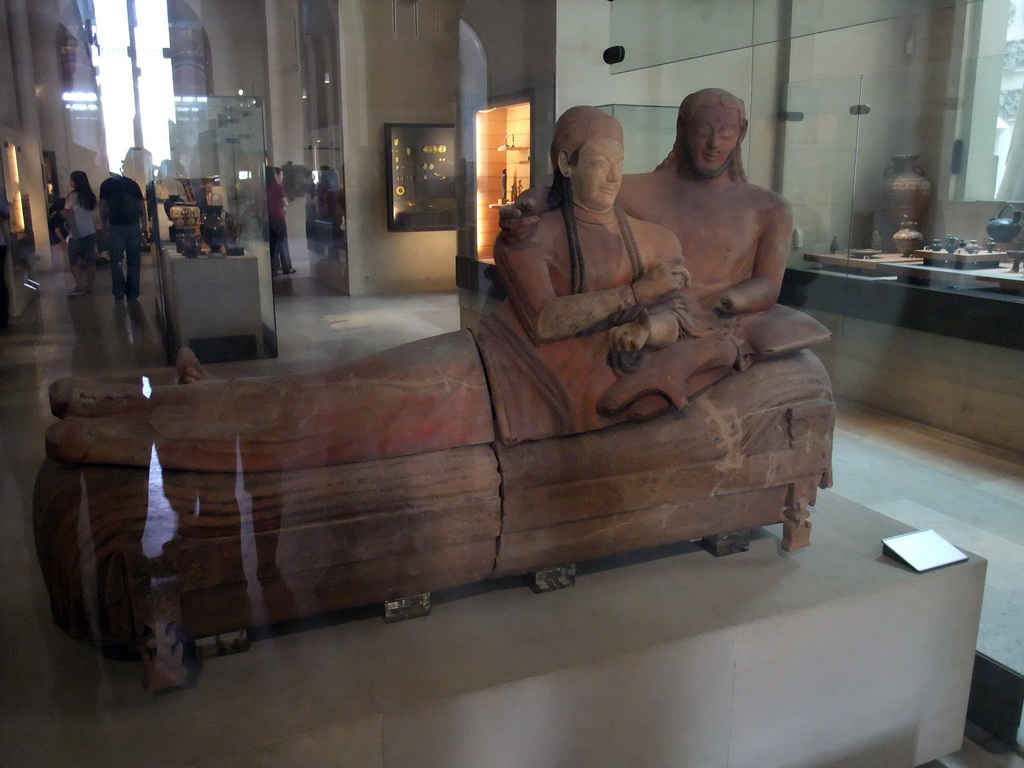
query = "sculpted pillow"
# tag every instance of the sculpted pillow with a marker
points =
(781, 330)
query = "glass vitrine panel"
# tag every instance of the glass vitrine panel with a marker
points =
(215, 268)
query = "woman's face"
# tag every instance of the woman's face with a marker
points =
(597, 175)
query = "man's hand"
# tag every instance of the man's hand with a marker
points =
(518, 220)
(632, 337)
(755, 294)
(659, 280)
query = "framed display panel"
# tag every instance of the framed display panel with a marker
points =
(421, 176)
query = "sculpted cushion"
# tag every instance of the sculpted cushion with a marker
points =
(782, 330)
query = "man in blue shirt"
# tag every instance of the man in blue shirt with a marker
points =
(123, 212)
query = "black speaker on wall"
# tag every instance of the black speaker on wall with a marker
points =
(614, 55)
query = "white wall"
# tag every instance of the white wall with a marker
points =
(582, 77)
(20, 122)
(284, 91)
(391, 74)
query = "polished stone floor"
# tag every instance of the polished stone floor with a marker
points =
(51, 689)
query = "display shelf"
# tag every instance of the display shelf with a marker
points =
(867, 265)
(502, 169)
(1001, 277)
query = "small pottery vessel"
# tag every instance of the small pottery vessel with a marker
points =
(184, 215)
(188, 245)
(1002, 229)
(908, 239)
(213, 229)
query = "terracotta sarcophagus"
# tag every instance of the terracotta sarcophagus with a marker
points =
(157, 554)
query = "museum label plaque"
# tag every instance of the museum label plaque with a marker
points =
(922, 550)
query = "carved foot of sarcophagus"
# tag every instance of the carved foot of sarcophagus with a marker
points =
(159, 632)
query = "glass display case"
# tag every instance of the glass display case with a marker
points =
(656, 32)
(215, 272)
(19, 272)
(421, 176)
(892, 200)
(649, 132)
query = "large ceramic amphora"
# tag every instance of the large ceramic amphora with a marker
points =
(907, 189)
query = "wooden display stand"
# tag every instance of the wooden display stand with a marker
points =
(961, 272)
(961, 259)
(866, 265)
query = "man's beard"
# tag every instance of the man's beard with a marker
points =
(700, 170)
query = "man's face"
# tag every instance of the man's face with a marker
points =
(710, 139)
(597, 175)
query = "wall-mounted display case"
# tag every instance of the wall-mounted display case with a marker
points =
(18, 266)
(421, 176)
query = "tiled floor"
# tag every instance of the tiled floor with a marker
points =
(969, 493)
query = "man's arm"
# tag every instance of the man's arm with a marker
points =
(761, 290)
(143, 218)
(140, 199)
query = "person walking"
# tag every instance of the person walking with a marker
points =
(78, 211)
(123, 214)
(277, 207)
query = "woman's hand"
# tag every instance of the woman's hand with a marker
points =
(660, 280)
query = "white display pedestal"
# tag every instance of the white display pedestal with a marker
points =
(833, 656)
(216, 298)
